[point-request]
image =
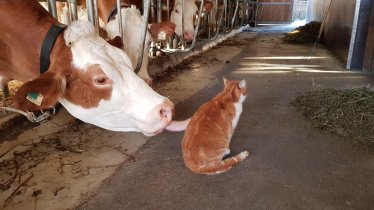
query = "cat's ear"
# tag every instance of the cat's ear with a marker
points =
(225, 81)
(242, 84)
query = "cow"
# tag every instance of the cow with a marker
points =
(131, 33)
(92, 79)
(131, 21)
(190, 12)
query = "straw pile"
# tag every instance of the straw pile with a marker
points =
(13, 87)
(303, 34)
(345, 113)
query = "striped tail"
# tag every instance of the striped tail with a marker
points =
(223, 165)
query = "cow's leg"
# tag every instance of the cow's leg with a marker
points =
(143, 73)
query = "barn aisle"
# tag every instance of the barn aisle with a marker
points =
(291, 166)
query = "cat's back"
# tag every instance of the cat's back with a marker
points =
(210, 123)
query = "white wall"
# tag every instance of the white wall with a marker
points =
(316, 9)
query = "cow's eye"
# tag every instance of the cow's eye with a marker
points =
(102, 80)
(177, 11)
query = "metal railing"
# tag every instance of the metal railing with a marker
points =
(217, 21)
(183, 48)
(227, 17)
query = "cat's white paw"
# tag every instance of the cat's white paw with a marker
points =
(244, 155)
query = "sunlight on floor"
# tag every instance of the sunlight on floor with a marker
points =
(247, 67)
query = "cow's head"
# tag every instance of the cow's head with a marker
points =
(190, 11)
(95, 82)
(132, 36)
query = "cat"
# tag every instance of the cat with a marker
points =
(207, 137)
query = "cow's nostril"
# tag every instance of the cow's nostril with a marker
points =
(165, 114)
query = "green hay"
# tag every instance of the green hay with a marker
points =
(346, 113)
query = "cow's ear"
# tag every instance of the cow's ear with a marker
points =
(40, 93)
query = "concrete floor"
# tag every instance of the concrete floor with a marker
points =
(290, 166)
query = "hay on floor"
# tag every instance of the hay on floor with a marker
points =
(345, 113)
(13, 87)
(303, 34)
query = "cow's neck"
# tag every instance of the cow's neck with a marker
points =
(105, 7)
(24, 25)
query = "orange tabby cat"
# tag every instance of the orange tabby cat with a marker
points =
(207, 137)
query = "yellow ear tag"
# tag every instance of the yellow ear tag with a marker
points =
(35, 98)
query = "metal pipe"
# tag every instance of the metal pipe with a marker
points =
(168, 11)
(119, 16)
(96, 16)
(146, 7)
(90, 11)
(52, 8)
(192, 46)
(159, 11)
(182, 38)
(153, 11)
(227, 7)
(218, 24)
(73, 10)
(235, 14)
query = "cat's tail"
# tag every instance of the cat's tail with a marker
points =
(223, 165)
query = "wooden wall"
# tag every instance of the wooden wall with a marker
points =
(272, 12)
(369, 50)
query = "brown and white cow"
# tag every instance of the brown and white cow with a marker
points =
(132, 19)
(131, 31)
(92, 79)
(190, 12)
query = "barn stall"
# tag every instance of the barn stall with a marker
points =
(63, 163)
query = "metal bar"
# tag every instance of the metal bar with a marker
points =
(235, 14)
(52, 8)
(119, 16)
(218, 24)
(182, 38)
(227, 29)
(146, 7)
(73, 10)
(90, 11)
(159, 11)
(153, 11)
(96, 16)
(168, 6)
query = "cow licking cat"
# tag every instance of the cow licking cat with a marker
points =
(92, 79)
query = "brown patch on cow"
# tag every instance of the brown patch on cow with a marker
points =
(164, 27)
(105, 7)
(81, 89)
(19, 51)
(117, 42)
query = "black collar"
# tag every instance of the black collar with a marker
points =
(114, 11)
(49, 41)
